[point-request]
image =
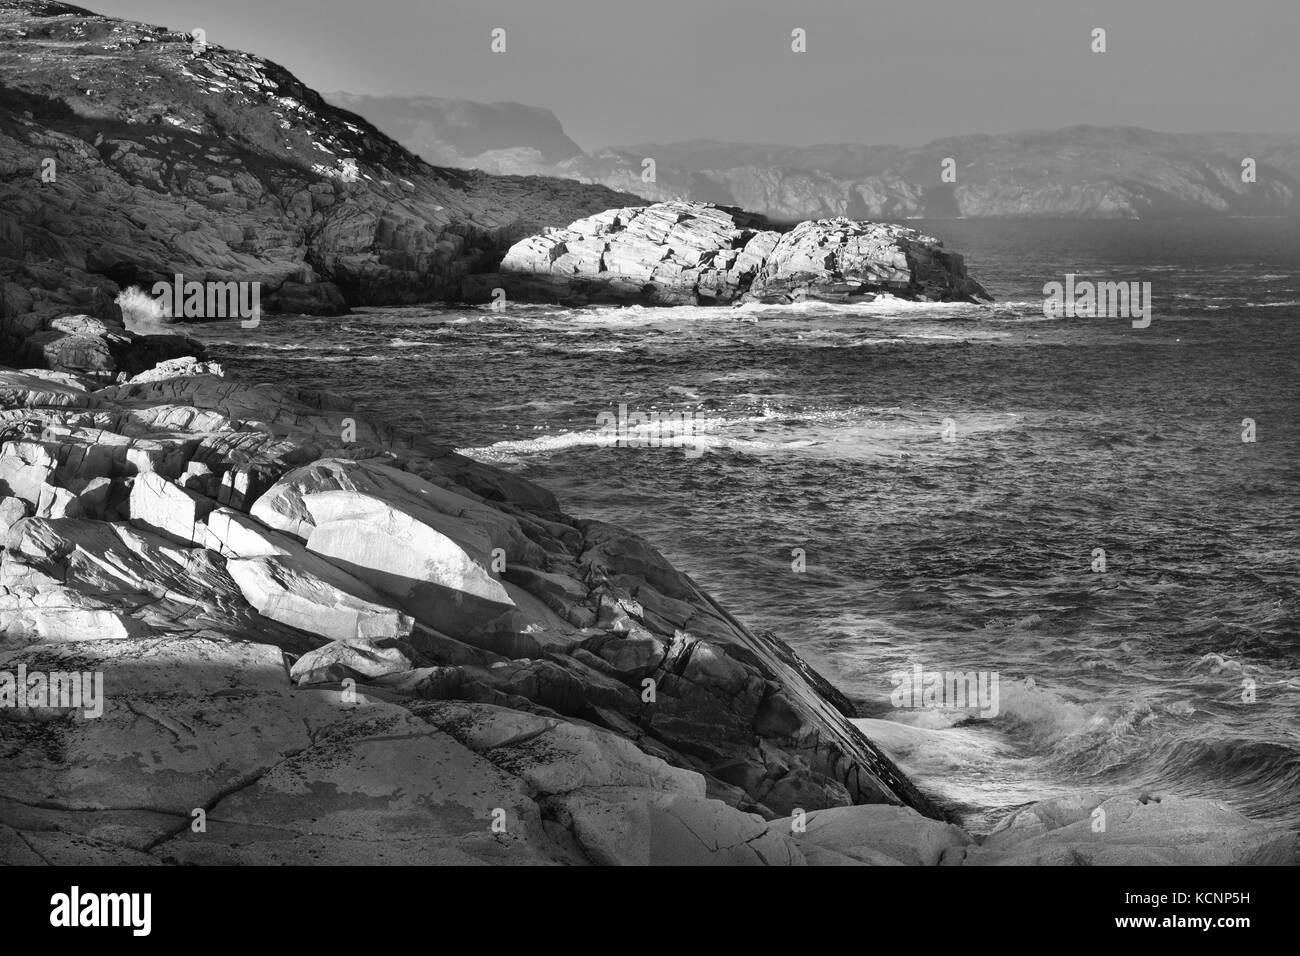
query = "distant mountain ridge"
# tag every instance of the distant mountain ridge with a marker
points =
(1086, 172)
(1078, 171)
(494, 137)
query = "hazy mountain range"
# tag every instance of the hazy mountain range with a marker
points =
(447, 132)
(1075, 172)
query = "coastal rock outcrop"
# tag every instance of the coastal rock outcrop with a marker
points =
(185, 520)
(685, 253)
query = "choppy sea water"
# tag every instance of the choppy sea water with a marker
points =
(823, 429)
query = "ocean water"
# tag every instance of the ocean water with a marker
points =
(822, 428)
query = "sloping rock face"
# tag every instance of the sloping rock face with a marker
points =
(686, 253)
(444, 665)
(126, 157)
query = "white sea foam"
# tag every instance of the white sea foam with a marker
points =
(1045, 715)
(1218, 664)
(853, 433)
(938, 747)
(885, 305)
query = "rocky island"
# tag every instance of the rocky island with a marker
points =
(685, 253)
(320, 640)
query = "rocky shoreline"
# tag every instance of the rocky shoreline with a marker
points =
(323, 641)
(165, 158)
(331, 642)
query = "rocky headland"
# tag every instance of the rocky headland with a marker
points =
(128, 156)
(324, 641)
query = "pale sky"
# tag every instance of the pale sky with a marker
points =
(897, 72)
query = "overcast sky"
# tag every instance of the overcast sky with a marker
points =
(898, 72)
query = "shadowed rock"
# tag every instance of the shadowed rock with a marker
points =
(323, 603)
